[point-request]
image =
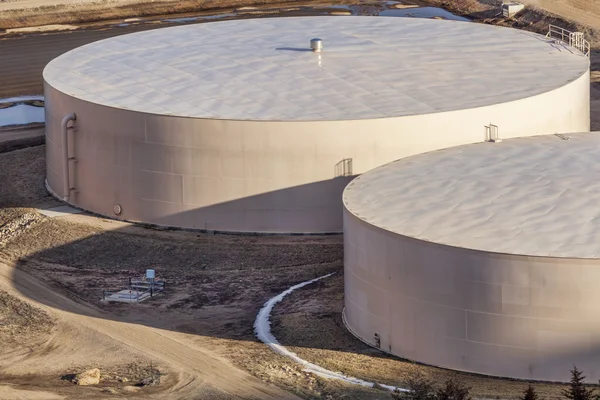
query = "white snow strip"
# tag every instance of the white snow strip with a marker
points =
(262, 329)
(43, 28)
(21, 114)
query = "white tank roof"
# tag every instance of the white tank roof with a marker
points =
(263, 69)
(537, 196)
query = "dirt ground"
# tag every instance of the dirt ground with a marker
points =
(199, 333)
(22, 137)
(585, 12)
(41, 12)
(197, 336)
(20, 13)
(22, 324)
(41, 353)
(309, 322)
(25, 55)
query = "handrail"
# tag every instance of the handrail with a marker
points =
(573, 39)
(343, 168)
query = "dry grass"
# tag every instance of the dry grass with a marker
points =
(22, 177)
(102, 10)
(21, 324)
(218, 283)
(534, 18)
(121, 381)
(309, 323)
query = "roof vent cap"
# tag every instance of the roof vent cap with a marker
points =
(316, 45)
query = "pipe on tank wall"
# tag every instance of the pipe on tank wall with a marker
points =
(65, 145)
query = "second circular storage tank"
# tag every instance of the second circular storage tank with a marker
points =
(481, 258)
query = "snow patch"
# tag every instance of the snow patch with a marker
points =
(21, 114)
(262, 329)
(43, 28)
(21, 98)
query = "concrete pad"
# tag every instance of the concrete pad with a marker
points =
(60, 211)
(128, 296)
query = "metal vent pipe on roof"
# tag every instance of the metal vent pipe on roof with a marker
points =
(316, 45)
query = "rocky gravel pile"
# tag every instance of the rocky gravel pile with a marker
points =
(14, 227)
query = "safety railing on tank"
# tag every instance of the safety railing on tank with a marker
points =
(343, 168)
(573, 39)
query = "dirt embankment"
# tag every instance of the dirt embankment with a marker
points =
(59, 267)
(21, 184)
(200, 330)
(574, 15)
(583, 15)
(22, 325)
(216, 286)
(15, 138)
(309, 322)
(40, 12)
(585, 12)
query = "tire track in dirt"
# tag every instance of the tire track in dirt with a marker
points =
(200, 373)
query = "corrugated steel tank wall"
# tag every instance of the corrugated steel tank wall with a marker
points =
(262, 176)
(494, 314)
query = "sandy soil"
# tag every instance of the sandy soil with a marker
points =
(199, 334)
(21, 13)
(29, 13)
(85, 337)
(22, 324)
(585, 12)
(38, 341)
(62, 266)
(22, 185)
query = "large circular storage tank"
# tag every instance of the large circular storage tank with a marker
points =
(238, 126)
(482, 258)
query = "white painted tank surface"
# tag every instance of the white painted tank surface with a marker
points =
(239, 126)
(481, 258)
